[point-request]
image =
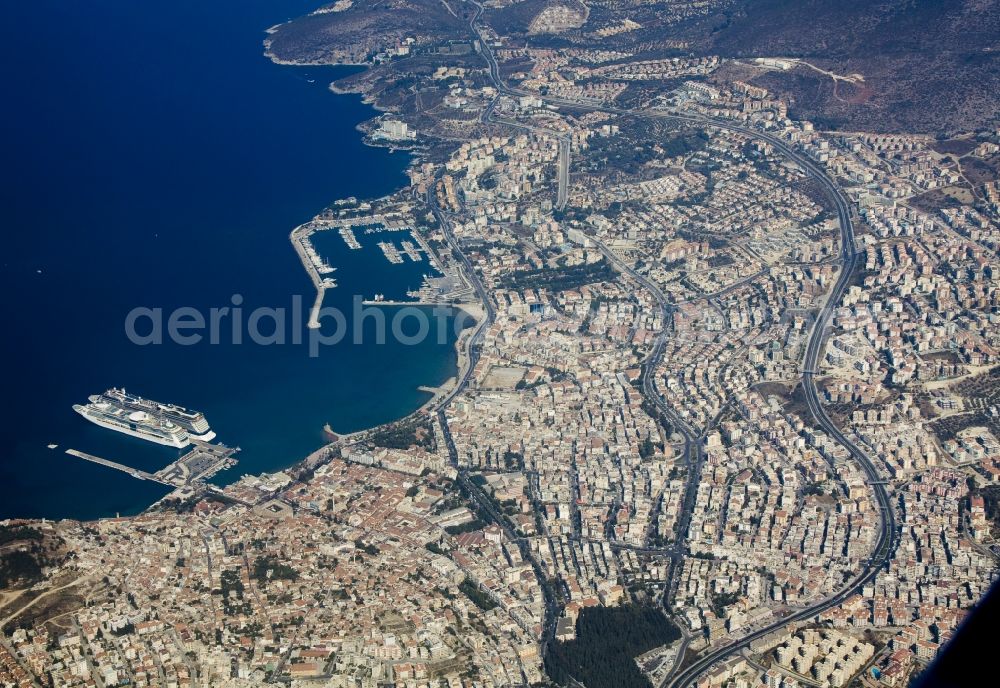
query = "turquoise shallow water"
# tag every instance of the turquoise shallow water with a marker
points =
(159, 160)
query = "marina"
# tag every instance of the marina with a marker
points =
(390, 252)
(411, 250)
(319, 269)
(349, 238)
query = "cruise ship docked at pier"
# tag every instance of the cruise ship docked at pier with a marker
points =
(192, 421)
(167, 424)
(135, 423)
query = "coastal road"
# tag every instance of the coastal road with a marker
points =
(476, 339)
(551, 606)
(887, 531)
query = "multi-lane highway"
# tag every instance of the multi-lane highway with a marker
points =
(886, 536)
(885, 540)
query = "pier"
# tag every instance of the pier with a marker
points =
(315, 267)
(347, 234)
(197, 465)
(313, 323)
(426, 249)
(201, 463)
(410, 249)
(417, 303)
(311, 260)
(390, 252)
(134, 472)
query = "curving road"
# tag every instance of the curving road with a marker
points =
(887, 533)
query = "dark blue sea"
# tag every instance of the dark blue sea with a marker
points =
(152, 157)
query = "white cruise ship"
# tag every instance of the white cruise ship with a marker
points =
(135, 423)
(192, 421)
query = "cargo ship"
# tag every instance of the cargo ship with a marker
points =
(192, 421)
(135, 423)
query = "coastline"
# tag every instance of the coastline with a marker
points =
(42, 483)
(473, 312)
(463, 341)
(446, 388)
